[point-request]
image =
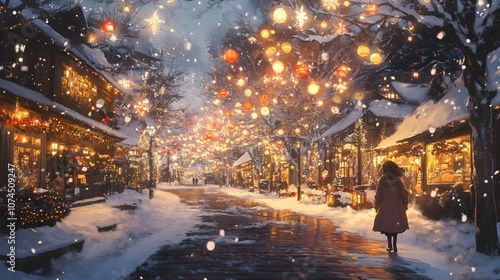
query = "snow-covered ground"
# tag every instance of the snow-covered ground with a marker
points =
(438, 249)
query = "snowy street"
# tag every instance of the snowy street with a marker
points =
(241, 239)
(201, 231)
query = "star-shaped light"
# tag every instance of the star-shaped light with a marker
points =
(301, 16)
(154, 22)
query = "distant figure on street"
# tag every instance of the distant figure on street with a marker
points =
(391, 203)
(194, 180)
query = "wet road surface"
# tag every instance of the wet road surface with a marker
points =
(241, 239)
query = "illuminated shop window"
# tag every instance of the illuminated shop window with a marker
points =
(27, 159)
(449, 162)
(78, 87)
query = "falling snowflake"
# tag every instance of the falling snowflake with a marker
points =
(210, 245)
(330, 4)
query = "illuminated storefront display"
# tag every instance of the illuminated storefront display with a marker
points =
(449, 162)
(80, 89)
(27, 158)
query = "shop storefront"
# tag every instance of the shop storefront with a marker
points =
(448, 163)
(43, 145)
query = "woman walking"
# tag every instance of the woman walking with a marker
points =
(391, 203)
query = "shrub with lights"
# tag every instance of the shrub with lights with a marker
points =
(33, 207)
(41, 208)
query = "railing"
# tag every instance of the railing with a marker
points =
(81, 192)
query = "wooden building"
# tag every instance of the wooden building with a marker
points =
(56, 104)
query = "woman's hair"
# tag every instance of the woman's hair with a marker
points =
(391, 168)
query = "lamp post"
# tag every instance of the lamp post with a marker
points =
(151, 184)
(360, 175)
(298, 167)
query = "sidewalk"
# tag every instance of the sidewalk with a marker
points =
(127, 237)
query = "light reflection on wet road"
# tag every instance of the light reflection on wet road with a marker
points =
(257, 242)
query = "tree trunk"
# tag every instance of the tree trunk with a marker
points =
(480, 118)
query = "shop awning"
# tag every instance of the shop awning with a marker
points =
(244, 158)
(49, 105)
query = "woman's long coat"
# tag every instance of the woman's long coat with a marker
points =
(391, 203)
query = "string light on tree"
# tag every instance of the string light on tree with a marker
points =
(264, 111)
(330, 4)
(263, 99)
(223, 93)
(372, 9)
(342, 71)
(247, 105)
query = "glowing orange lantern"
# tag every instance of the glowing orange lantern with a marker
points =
(231, 126)
(209, 136)
(372, 9)
(223, 93)
(313, 88)
(229, 113)
(247, 105)
(342, 71)
(213, 125)
(108, 26)
(278, 66)
(363, 51)
(263, 99)
(286, 47)
(279, 15)
(359, 96)
(301, 70)
(265, 33)
(375, 59)
(231, 56)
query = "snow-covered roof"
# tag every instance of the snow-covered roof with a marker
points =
(39, 98)
(380, 108)
(452, 107)
(146, 48)
(344, 123)
(387, 108)
(92, 57)
(244, 158)
(411, 92)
